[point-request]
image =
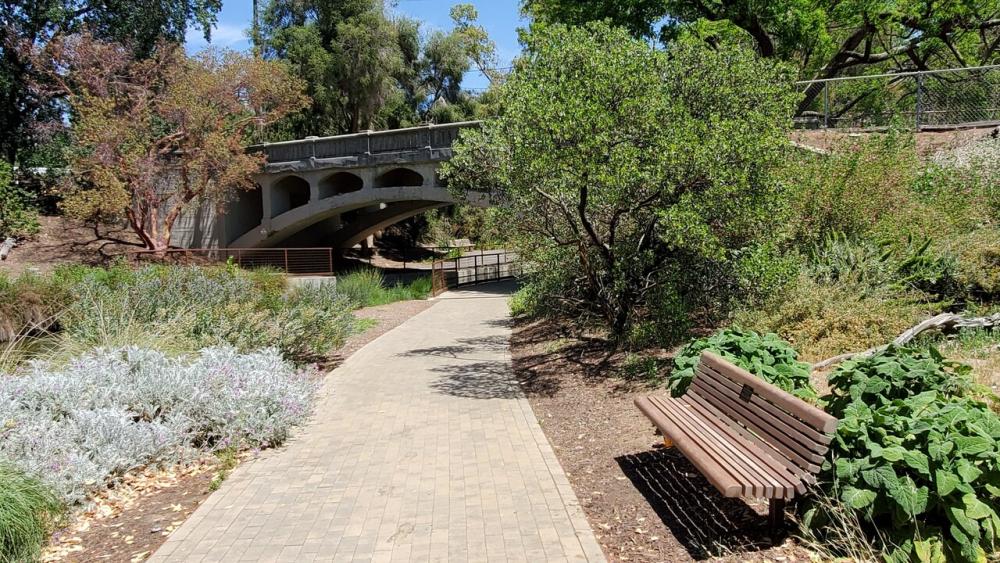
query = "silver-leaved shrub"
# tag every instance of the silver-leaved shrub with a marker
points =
(80, 426)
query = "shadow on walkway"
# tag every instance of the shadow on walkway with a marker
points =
(462, 347)
(469, 375)
(476, 380)
(703, 521)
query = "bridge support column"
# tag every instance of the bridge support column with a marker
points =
(265, 193)
(313, 190)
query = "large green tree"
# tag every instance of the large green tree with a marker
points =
(823, 38)
(369, 70)
(622, 167)
(154, 137)
(29, 23)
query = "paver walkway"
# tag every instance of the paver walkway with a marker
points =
(422, 449)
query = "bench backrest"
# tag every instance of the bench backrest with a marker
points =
(794, 432)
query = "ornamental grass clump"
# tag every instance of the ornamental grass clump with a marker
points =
(916, 457)
(80, 426)
(183, 309)
(28, 512)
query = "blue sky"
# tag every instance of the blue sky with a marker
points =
(500, 17)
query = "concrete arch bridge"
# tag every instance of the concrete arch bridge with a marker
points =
(331, 191)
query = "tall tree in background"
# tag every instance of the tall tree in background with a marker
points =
(623, 170)
(823, 38)
(367, 70)
(29, 23)
(153, 137)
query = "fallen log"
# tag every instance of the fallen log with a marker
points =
(6, 247)
(944, 321)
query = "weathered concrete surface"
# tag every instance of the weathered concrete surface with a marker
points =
(422, 449)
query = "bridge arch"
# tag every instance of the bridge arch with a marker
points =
(399, 177)
(288, 193)
(340, 183)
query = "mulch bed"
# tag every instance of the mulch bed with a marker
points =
(131, 521)
(644, 502)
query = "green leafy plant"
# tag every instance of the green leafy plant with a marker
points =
(925, 467)
(898, 373)
(28, 512)
(767, 356)
(914, 453)
(366, 287)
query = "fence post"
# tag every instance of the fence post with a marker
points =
(329, 262)
(920, 100)
(826, 105)
(286, 261)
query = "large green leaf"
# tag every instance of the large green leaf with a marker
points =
(946, 481)
(917, 461)
(894, 453)
(857, 498)
(929, 551)
(975, 508)
(910, 498)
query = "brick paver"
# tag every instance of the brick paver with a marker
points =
(422, 449)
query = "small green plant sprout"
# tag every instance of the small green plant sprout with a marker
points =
(640, 367)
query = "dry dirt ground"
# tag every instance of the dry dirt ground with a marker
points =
(130, 521)
(645, 503)
(928, 142)
(64, 241)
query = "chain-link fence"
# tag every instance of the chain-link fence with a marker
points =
(929, 99)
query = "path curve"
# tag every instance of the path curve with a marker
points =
(423, 448)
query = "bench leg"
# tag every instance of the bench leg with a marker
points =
(776, 514)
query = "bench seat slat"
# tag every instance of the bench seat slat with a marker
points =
(755, 483)
(815, 417)
(702, 440)
(777, 483)
(778, 456)
(803, 431)
(719, 477)
(763, 427)
(792, 474)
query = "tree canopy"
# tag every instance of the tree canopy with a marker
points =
(29, 23)
(152, 137)
(367, 70)
(622, 167)
(823, 38)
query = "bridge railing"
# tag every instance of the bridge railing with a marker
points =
(293, 261)
(473, 268)
(366, 143)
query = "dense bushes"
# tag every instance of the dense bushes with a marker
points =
(18, 216)
(916, 456)
(28, 511)
(766, 356)
(884, 239)
(113, 410)
(29, 302)
(177, 309)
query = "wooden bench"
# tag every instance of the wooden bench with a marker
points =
(746, 436)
